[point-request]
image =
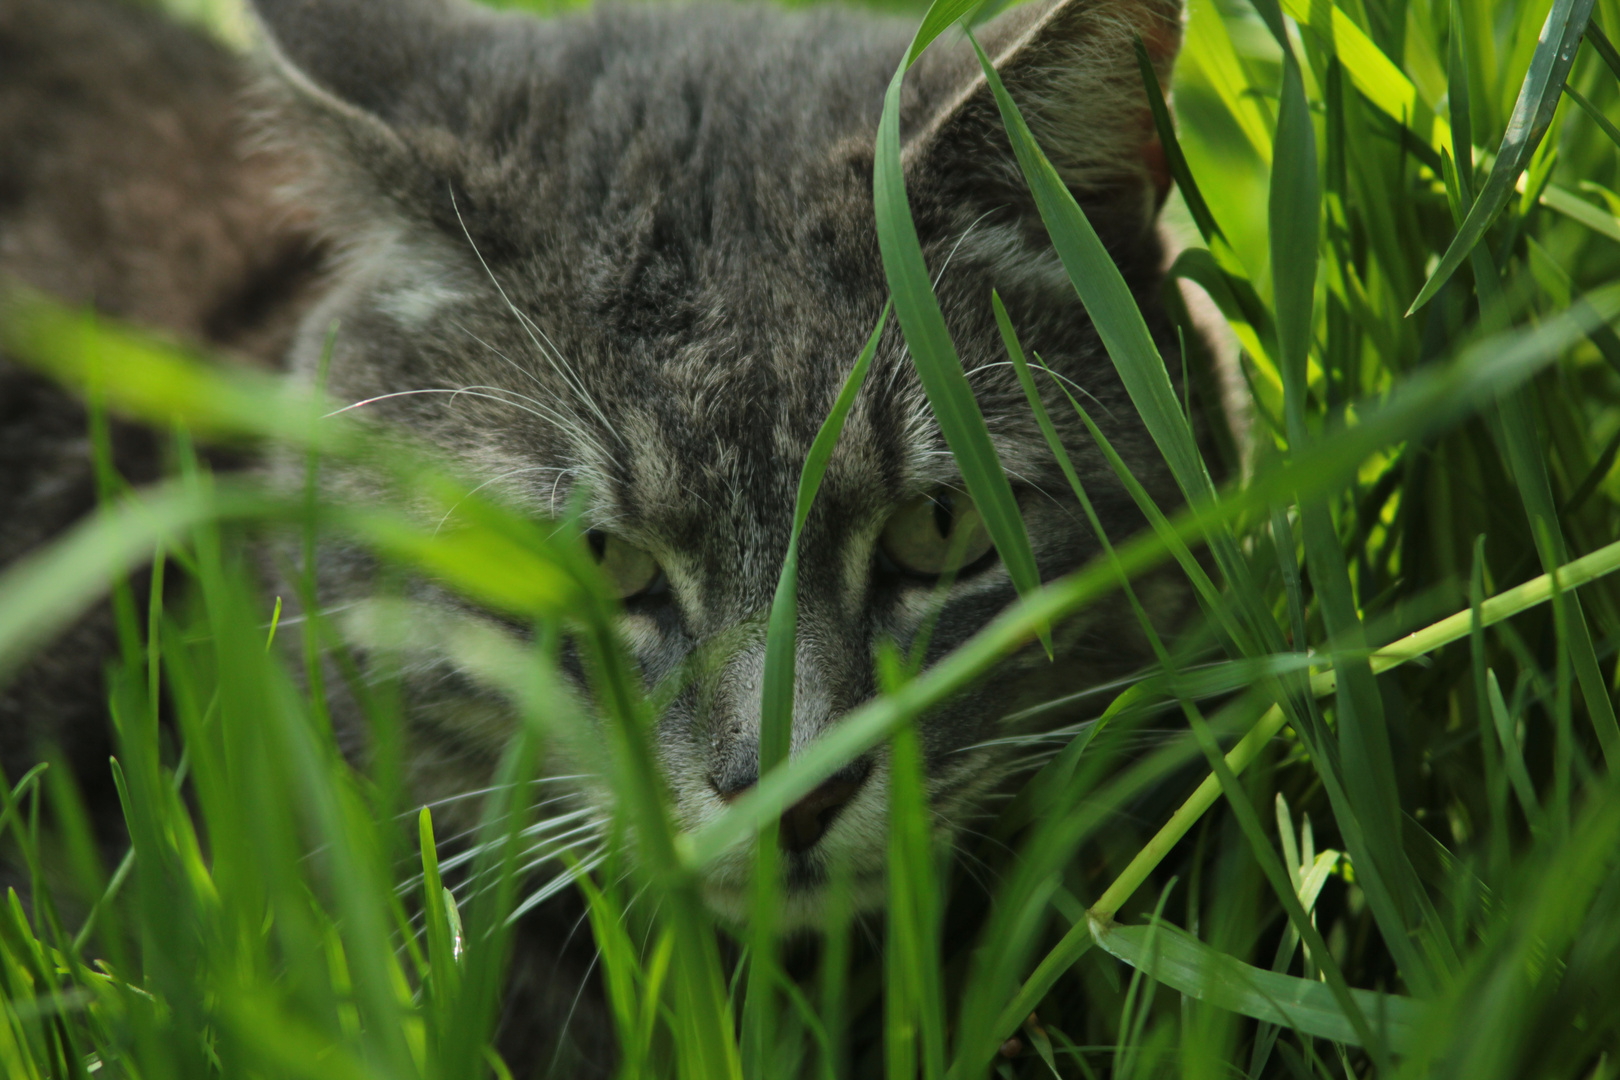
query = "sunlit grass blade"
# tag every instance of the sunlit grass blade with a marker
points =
(1372, 72)
(1538, 97)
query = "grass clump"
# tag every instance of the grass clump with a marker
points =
(1401, 859)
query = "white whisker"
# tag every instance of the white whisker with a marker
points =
(965, 234)
(494, 479)
(525, 372)
(554, 886)
(553, 357)
(490, 791)
(438, 390)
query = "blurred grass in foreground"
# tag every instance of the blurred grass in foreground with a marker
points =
(1412, 872)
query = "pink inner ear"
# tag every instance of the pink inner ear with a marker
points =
(1162, 40)
(1158, 167)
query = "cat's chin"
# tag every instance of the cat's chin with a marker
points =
(802, 904)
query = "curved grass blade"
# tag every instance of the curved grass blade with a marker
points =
(938, 365)
(1108, 301)
(1184, 963)
(1136, 358)
(1595, 113)
(1532, 113)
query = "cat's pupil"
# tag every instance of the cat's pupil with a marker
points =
(944, 515)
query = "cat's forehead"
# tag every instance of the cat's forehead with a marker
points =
(656, 225)
(710, 442)
(661, 168)
(605, 106)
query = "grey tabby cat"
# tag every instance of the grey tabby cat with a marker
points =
(628, 257)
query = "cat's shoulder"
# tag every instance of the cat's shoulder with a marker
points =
(130, 181)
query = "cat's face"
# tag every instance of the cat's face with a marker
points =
(628, 260)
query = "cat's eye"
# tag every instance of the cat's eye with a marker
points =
(630, 571)
(936, 533)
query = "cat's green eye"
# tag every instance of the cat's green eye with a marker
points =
(629, 570)
(923, 535)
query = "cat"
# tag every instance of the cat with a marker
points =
(129, 183)
(626, 258)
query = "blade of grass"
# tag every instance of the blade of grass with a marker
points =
(1578, 209)
(1186, 964)
(1079, 939)
(929, 342)
(44, 593)
(914, 1020)
(1603, 122)
(1371, 71)
(1522, 448)
(1605, 48)
(1538, 98)
(1523, 788)
(1130, 346)
(1366, 759)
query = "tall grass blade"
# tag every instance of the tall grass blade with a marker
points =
(1532, 113)
(1523, 452)
(927, 338)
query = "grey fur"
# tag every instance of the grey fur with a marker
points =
(125, 183)
(642, 239)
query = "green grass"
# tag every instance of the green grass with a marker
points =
(1401, 850)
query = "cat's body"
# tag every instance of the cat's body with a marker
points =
(127, 183)
(640, 243)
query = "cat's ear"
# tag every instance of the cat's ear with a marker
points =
(381, 57)
(1071, 66)
(373, 97)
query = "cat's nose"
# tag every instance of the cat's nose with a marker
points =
(810, 817)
